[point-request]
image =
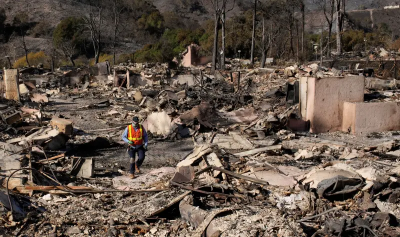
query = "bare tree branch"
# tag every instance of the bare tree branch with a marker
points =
(93, 23)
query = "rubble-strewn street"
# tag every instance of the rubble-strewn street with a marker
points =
(279, 151)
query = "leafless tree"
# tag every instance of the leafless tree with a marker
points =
(271, 28)
(223, 23)
(290, 23)
(20, 43)
(93, 23)
(220, 9)
(21, 24)
(328, 9)
(253, 36)
(303, 24)
(117, 10)
(269, 34)
(340, 12)
(25, 48)
(217, 15)
(51, 51)
(68, 49)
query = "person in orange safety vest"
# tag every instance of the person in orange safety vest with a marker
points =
(136, 136)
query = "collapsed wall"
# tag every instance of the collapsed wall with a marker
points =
(321, 100)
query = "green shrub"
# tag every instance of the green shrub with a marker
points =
(34, 60)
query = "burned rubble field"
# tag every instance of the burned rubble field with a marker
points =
(229, 155)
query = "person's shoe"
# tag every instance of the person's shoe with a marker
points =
(131, 176)
(137, 169)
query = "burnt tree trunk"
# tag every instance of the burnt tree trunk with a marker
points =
(223, 40)
(338, 27)
(72, 61)
(253, 36)
(25, 50)
(215, 48)
(303, 23)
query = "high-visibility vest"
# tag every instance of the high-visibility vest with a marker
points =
(135, 136)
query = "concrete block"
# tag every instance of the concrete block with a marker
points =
(325, 98)
(364, 118)
(62, 125)
(23, 89)
(86, 169)
(11, 84)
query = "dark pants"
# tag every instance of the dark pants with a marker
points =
(132, 154)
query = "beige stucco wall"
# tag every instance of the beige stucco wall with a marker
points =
(364, 118)
(325, 99)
